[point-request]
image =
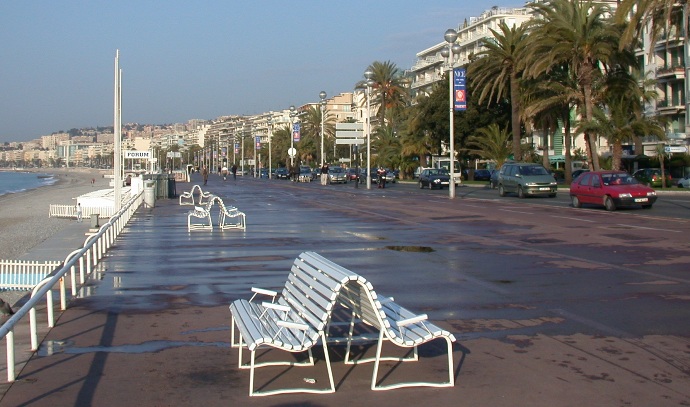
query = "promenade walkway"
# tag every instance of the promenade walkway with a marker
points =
(154, 328)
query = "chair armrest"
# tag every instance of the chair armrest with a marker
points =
(412, 320)
(276, 307)
(293, 325)
(264, 291)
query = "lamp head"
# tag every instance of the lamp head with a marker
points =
(450, 36)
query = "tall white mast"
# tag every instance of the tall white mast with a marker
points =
(117, 130)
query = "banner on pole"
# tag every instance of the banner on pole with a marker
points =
(459, 89)
(257, 142)
(295, 132)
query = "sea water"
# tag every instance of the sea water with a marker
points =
(16, 181)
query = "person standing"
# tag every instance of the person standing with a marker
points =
(324, 174)
(234, 172)
(204, 173)
(382, 177)
(79, 212)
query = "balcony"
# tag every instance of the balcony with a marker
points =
(666, 107)
(670, 73)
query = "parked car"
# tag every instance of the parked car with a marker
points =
(363, 176)
(282, 173)
(305, 174)
(493, 180)
(577, 173)
(434, 178)
(351, 174)
(611, 189)
(651, 177)
(390, 177)
(684, 182)
(337, 175)
(526, 179)
(482, 175)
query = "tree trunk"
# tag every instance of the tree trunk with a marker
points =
(515, 116)
(617, 154)
(568, 141)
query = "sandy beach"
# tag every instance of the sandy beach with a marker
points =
(24, 221)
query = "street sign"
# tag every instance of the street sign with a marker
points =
(349, 131)
(131, 154)
(292, 152)
(349, 141)
(676, 149)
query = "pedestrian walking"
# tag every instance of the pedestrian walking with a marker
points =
(79, 212)
(204, 174)
(324, 174)
(234, 172)
(382, 177)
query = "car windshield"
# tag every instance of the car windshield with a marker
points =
(441, 171)
(532, 170)
(618, 179)
(336, 170)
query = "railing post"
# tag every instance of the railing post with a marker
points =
(32, 326)
(49, 308)
(63, 295)
(9, 338)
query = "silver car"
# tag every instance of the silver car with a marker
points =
(337, 175)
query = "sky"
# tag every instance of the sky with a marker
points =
(200, 59)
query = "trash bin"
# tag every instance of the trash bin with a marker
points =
(150, 194)
(94, 221)
(172, 188)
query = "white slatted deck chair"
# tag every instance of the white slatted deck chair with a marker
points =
(396, 325)
(296, 321)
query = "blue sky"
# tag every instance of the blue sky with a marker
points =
(200, 59)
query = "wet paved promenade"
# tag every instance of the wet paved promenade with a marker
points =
(154, 327)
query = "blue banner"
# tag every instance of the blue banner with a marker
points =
(295, 132)
(257, 142)
(459, 89)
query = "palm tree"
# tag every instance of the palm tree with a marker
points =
(389, 91)
(662, 14)
(387, 146)
(496, 72)
(623, 119)
(579, 35)
(491, 143)
(554, 94)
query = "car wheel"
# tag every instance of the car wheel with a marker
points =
(421, 185)
(520, 193)
(501, 191)
(608, 204)
(552, 195)
(646, 206)
(576, 202)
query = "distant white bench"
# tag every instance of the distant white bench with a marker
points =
(295, 321)
(203, 213)
(314, 288)
(187, 198)
(229, 213)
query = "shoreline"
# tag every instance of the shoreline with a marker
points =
(24, 219)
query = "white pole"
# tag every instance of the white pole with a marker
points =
(117, 171)
(368, 137)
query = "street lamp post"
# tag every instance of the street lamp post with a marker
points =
(269, 123)
(453, 49)
(370, 82)
(293, 114)
(322, 96)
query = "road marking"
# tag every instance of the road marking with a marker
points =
(510, 210)
(646, 228)
(577, 219)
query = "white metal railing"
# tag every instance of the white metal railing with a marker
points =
(70, 211)
(24, 274)
(84, 260)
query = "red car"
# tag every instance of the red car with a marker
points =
(611, 189)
